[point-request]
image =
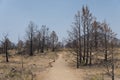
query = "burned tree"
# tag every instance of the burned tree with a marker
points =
(20, 45)
(54, 40)
(6, 48)
(86, 21)
(30, 34)
(43, 33)
(106, 33)
(5, 45)
(75, 38)
(78, 29)
(88, 36)
(112, 36)
(47, 39)
(39, 42)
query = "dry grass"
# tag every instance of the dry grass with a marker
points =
(35, 67)
(96, 71)
(32, 65)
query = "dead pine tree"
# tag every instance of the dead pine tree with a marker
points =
(73, 40)
(76, 38)
(106, 38)
(112, 52)
(78, 20)
(47, 39)
(86, 24)
(84, 33)
(54, 40)
(5, 46)
(112, 61)
(80, 36)
(39, 36)
(77, 24)
(30, 34)
(93, 38)
(43, 33)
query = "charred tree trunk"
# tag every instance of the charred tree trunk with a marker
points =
(6, 50)
(105, 47)
(79, 40)
(31, 46)
(90, 56)
(53, 46)
(87, 46)
(78, 59)
(112, 62)
(84, 44)
(43, 44)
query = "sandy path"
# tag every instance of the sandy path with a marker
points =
(60, 71)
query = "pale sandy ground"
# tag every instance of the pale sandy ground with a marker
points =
(60, 71)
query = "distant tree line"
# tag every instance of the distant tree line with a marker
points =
(37, 40)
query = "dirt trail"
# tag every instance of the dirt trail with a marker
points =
(60, 71)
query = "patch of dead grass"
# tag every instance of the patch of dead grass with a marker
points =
(32, 65)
